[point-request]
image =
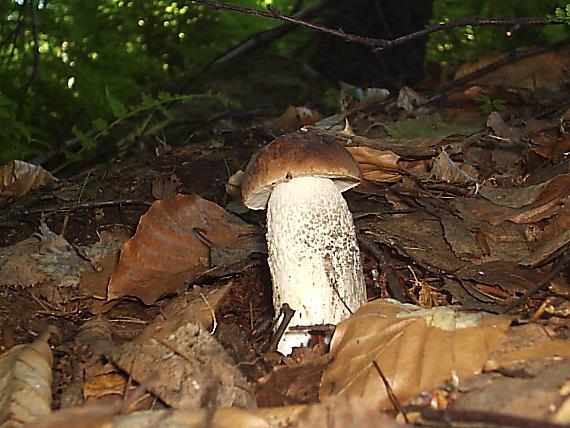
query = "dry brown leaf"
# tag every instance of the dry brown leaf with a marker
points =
(426, 245)
(379, 166)
(556, 236)
(198, 305)
(444, 169)
(373, 98)
(185, 368)
(165, 186)
(408, 99)
(294, 118)
(278, 417)
(510, 276)
(94, 281)
(524, 343)
(497, 124)
(42, 258)
(25, 382)
(346, 411)
(544, 70)
(532, 391)
(177, 240)
(17, 178)
(531, 203)
(416, 349)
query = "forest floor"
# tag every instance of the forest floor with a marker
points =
(141, 283)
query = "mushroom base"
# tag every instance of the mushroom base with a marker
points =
(313, 255)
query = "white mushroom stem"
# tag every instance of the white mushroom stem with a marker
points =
(313, 255)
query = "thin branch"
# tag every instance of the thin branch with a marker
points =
(451, 417)
(380, 44)
(78, 206)
(507, 59)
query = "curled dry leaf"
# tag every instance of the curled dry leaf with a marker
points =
(25, 382)
(17, 178)
(416, 350)
(377, 165)
(445, 169)
(176, 241)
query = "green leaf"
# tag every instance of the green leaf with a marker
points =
(86, 142)
(118, 109)
(100, 124)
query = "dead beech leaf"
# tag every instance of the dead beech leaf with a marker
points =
(94, 281)
(497, 124)
(373, 98)
(523, 343)
(272, 417)
(543, 70)
(44, 257)
(532, 203)
(416, 349)
(295, 117)
(444, 169)
(165, 186)
(408, 99)
(198, 305)
(17, 178)
(177, 240)
(346, 411)
(25, 382)
(377, 165)
(185, 368)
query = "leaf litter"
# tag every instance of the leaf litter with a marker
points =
(466, 218)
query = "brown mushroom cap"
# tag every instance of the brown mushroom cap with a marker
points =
(298, 154)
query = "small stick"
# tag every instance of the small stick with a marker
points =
(393, 398)
(287, 313)
(78, 206)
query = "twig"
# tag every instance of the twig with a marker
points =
(82, 205)
(214, 320)
(508, 59)
(380, 44)
(477, 418)
(393, 398)
(287, 314)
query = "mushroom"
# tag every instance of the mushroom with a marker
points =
(313, 254)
